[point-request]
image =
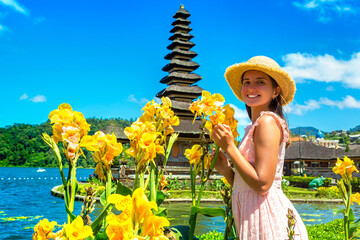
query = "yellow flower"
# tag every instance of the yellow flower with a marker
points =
(136, 214)
(122, 203)
(355, 198)
(163, 183)
(149, 109)
(194, 154)
(345, 168)
(230, 119)
(76, 230)
(141, 205)
(154, 226)
(225, 181)
(43, 230)
(207, 161)
(64, 116)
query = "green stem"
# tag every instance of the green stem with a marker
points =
(73, 186)
(152, 182)
(347, 211)
(107, 191)
(192, 223)
(192, 182)
(136, 180)
(200, 193)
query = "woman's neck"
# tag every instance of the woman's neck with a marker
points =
(255, 113)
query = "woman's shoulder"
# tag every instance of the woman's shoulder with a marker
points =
(271, 119)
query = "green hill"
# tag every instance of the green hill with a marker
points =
(305, 130)
(21, 144)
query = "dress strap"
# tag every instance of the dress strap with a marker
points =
(281, 122)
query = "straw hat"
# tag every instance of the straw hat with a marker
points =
(234, 73)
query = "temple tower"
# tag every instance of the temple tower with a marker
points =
(181, 88)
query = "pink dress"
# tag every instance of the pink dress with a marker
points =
(263, 217)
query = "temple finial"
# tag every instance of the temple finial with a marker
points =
(182, 6)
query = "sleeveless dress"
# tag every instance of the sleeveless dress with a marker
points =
(263, 217)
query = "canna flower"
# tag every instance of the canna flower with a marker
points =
(136, 213)
(355, 198)
(76, 230)
(154, 226)
(105, 148)
(69, 128)
(194, 154)
(163, 183)
(64, 116)
(225, 182)
(43, 230)
(207, 105)
(345, 168)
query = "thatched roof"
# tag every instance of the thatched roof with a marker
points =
(180, 43)
(181, 28)
(179, 52)
(311, 151)
(118, 131)
(190, 78)
(181, 35)
(181, 21)
(186, 91)
(353, 153)
(190, 65)
(182, 13)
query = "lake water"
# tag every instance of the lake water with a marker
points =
(24, 192)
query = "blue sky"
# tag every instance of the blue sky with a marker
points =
(105, 57)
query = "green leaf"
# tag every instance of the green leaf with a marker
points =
(181, 232)
(72, 216)
(160, 197)
(336, 211)
(351, 216)
(354, 232)
(208, 212)
(161, 212)
(101, 236)
(97, 224)
(123, 190)
(103, 199)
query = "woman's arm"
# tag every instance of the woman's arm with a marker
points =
(266, 140)
(223, 166)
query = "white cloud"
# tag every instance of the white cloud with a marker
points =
(132, 98)
(38, 98)
(330, 89)
(13, 4)
(326, 9)
(24, 96)
(240, 115)
(323, 68)
(347, 102)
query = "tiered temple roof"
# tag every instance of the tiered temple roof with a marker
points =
(181, 79)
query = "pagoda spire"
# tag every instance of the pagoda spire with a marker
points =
(181, 79)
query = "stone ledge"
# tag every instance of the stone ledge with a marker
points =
(56, 193)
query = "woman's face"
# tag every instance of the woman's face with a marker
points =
(257, 89)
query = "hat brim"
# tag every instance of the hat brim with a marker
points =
(234, 73)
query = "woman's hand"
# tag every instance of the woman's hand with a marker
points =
(222, 136)
(223, 166)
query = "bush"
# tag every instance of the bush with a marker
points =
(214, 235)
(333, 230)
(303, 182)
(328, 192)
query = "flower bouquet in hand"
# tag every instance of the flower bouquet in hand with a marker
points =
(210, 110)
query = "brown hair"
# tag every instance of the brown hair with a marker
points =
(275, 106)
